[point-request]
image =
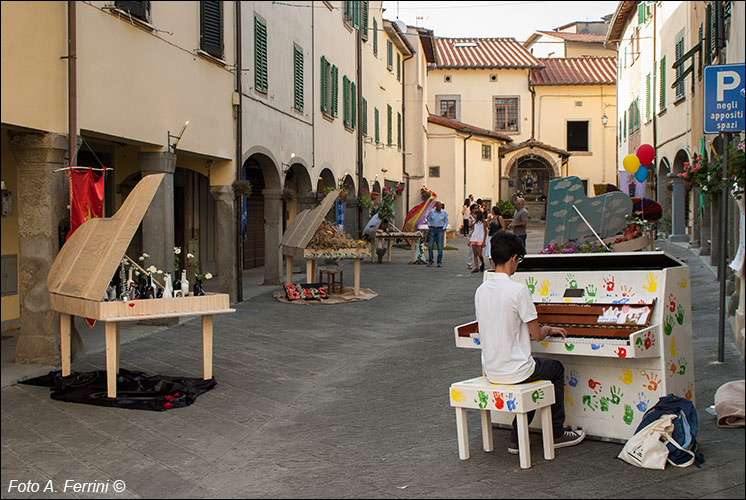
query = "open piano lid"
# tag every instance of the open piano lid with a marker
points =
(90, 257)
(305, 224)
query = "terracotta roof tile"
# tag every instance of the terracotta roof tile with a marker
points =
(464, 127)
(575, 71)
(483, 53)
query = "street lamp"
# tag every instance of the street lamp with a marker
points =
(604, 119)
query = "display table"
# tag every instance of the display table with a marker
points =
(389, 237)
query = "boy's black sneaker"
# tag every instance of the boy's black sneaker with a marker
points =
(569, 438)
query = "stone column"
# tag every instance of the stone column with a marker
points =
(678, 215)
(306, 201)
(272, 236)
(225, 220)
(42, 198)
(158, 222)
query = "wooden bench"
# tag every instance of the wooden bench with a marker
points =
(479, 394)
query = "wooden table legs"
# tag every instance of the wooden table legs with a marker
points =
(357, 276)
(207, 346)
(112, 357)
(65, 343)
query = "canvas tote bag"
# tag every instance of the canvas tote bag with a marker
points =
(647, 448)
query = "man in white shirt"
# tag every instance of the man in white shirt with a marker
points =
(507, 323)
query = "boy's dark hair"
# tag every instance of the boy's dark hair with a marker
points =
(496, 210)
(479, 201)
(504, 245)
(478, 216)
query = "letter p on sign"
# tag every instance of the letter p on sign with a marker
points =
(722, 86)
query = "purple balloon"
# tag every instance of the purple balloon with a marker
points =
(641, 174)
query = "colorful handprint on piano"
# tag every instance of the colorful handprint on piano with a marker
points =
(591, 290)
(642, 402)
(671, 302)
(573, 380)
(616, 395)
(649, 340)
(652, 283)
(626, 292)
(653, 381)
(628, 415)
(682, 283)
(680, 314)
(569, 347)
(568, 398)
(590, 402)
(537, 395)
(626, 376)
(682, 366)
(668, 324)
(571, 282)
(604, 403)
(544, 288)
(596, 386)
(609, 283)
(689, 389)
(483, 400)
(621, 352)
(457, 396)
(497, 397)
(531, 284)
(672, 368)
(672, 346)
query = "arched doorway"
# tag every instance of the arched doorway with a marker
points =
(664, 194)
(261, 224)
(530, 174)
(679, 199)
(297, 187)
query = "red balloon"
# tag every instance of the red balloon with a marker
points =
(646, 154)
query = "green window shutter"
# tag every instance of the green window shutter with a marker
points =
(335, 91)
(364, 21)
(680, 69)
(647, 98)
(260, 55)
(348, 11)
(624, 128)
(388, 120)
(324, 85)
(364, 116)
(662, 97)
(398, 130)
(375, 36)
(389, 55)
(620, 130)
(346, 100)
(377, 125)
(356, 14)
(298, 78)
(211, 27)
(641, 13)
(353, 105)
(398, 66)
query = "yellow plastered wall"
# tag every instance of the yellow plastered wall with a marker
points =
(9, 225)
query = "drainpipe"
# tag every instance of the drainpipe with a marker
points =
(359, 131)
(533, 105)
(655, 114)
(404, 129)
(239, 155)
(465, 139)
(72, 81)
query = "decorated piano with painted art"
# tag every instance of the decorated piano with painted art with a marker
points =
(629, 321)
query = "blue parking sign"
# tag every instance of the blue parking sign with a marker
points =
(724, 98)
(340, 213)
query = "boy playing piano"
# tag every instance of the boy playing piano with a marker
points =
(507, 323)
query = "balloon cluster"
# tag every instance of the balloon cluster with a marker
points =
(632, 163)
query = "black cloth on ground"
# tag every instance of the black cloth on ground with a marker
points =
(135, 390)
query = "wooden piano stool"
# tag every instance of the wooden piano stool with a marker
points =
(479, 394)
(329, 278)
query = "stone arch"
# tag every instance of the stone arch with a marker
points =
(535, 154)
(679, 198)
(297, 192)
(325, 180)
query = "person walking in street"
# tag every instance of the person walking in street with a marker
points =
(465, 216)
(478, 235)
(497, 223)
(437, 223)
(508, 321)
(470, 255)
(520, 220)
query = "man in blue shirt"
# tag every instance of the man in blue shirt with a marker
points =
(437, 222)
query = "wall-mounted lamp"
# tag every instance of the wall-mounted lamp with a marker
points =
(172, 147)
(286, 166)
(604, 119)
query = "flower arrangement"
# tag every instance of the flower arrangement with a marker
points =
(327, 237)
(385, 206)
(573, 246)
(177, 260)
(426, 193)
(708, 175)
(200, 277)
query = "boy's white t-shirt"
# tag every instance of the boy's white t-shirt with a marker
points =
(503, 309)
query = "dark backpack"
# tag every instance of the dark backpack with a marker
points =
(685, 428)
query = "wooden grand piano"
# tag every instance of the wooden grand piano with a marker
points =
(628, 317)
(84, 267)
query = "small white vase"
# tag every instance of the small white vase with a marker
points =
(168, 289)
(184, 284)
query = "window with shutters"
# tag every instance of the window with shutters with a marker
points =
(211, 27)
(377, 125)
(325, 77)
(140, 10)
(398, 66)
(398, 131)
(506, 114)
(364, 8)
(434, 171)
(375, 37)
(346, 101)
(624, 128)
(662, 91)
(679, 70)
(297, 78)
(648, 113)
(389, 55)
(335, 91)
(620, 130)
(260, 55)
(389, 142)
(352, 13)
(364, 117)
(353, 105)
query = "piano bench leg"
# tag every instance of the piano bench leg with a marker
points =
(462, 431)
(547, 432)
(486, 430)
(524, 444)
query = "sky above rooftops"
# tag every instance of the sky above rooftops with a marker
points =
(494, 19)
